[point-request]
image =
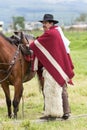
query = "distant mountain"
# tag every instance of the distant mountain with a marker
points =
(65, 12)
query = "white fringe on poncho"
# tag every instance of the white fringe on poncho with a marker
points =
(53, 96)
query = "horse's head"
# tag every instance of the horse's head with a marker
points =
(26, 40)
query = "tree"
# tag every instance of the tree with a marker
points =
(18, 22)
(81, 18)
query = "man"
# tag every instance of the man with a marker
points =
(51, 50)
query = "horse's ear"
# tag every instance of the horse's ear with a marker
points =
(21, 35)
(23, 38)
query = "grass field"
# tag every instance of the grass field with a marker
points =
(32, 107)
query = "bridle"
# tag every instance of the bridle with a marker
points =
(11, 64)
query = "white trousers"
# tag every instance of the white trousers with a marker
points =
(53, 96)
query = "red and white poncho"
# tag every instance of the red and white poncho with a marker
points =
(50, 50)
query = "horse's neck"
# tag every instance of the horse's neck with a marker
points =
(6, 50)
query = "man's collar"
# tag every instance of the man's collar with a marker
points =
(53, 27)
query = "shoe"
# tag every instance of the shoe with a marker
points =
(65, 116)
(44, 117)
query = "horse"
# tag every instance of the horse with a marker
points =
(14, 70)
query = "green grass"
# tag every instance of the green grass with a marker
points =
(33, 99)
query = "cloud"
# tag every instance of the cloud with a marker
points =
(59, 1)
(27, 3)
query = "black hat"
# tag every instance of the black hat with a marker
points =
(49, 17)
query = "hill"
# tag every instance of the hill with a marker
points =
(64, 11)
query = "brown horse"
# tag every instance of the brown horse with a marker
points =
(14, 70)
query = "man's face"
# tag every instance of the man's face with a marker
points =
(47, 25)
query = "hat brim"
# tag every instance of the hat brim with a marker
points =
(54, 21)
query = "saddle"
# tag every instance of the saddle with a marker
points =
(14, 40)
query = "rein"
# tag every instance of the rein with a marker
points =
(9, 70)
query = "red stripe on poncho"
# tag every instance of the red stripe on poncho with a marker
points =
(53, 43)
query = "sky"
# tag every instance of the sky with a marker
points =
(33, 10)
(30, 2)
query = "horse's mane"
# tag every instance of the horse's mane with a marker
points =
(6, 38)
